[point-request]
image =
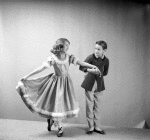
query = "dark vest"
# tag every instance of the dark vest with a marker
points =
(103, 65)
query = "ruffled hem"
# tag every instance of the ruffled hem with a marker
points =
(43, 113)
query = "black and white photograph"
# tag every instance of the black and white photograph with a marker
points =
(74, 70)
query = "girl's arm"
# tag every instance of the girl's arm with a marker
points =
(84, 64)
(36, 71)
(91, 68)
(50, 61)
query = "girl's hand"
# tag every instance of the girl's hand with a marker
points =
(94, 67)
(98, 72)
(24, 78)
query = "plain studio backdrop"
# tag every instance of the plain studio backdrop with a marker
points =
(28, 29)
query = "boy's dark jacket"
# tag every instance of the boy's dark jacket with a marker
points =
(103, 65)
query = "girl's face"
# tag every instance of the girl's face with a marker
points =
(66, 47)
(99, 51)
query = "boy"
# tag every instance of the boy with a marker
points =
(94, 85)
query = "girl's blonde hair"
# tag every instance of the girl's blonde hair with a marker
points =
(59, 46)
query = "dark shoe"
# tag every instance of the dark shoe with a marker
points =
(90, 131)
(100, 131)
(60, 132)
(50, 123)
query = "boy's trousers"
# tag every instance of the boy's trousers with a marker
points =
(92, 107)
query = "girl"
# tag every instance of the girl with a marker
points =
(52, 96)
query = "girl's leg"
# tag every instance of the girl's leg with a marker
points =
(50, 122)
(60, 128)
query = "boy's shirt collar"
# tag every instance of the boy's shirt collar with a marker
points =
(99, 56)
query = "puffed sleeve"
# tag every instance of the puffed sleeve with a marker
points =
(49, 62)
(73, 59)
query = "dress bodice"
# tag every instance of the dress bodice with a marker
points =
(61, 67)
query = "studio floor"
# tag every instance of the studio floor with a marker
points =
(35, 130)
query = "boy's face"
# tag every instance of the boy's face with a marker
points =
(99, 51)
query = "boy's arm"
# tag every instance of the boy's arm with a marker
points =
(106, 67)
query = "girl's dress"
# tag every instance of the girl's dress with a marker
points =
(51, 96)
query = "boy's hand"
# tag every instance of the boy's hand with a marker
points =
(95, 67)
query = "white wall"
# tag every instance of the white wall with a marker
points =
(29, 29)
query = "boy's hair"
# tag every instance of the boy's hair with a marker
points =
(103, 44)
(59, 45)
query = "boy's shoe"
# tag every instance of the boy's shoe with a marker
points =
(90, 131)
(60, 132)
(50, 123)
(100, 131)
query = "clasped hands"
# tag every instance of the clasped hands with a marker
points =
(95, 70)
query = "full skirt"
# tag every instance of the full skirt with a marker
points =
(50, 96)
